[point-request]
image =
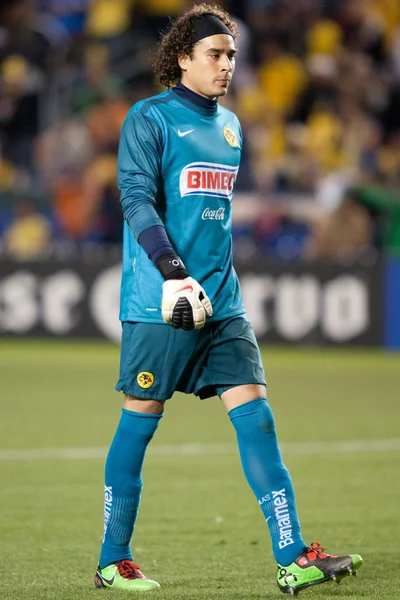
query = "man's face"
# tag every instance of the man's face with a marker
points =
(209, 71)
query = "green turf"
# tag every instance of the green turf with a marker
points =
(200, 532)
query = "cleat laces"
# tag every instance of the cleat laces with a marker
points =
(129, 570)
(316, 550)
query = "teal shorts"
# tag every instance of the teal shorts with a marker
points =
(157, 360)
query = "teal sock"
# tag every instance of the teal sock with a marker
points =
(268, 477)
(123, 483)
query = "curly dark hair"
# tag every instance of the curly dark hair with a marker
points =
(178, 41)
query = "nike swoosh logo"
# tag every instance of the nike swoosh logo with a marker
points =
(107, 581)
(183, 133)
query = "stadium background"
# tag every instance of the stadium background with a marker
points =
(317, 245)
(317, 90)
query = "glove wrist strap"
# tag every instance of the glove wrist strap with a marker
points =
(171, 267)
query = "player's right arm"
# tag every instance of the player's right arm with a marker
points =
(139, 170)
(184, 302)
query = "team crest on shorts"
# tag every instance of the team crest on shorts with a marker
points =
(145, 379)
(231, 137)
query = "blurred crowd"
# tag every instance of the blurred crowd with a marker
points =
(317, 90)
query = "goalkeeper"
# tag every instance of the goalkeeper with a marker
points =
(184, 324)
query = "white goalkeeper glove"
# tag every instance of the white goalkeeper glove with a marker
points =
(185, 304)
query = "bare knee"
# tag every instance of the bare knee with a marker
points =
(241, 394)
(141, 405)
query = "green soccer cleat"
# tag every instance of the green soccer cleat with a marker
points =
(313, 566)
(124, 575)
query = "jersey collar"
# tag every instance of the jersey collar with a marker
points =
(198, 103)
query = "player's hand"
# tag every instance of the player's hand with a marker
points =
(185, 304)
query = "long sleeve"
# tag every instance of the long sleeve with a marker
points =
(139, 171)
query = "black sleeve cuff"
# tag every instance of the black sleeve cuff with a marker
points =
(171, 267)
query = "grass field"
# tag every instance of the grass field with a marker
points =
(200, 532)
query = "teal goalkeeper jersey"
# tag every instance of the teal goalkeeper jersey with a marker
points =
(177, 166)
